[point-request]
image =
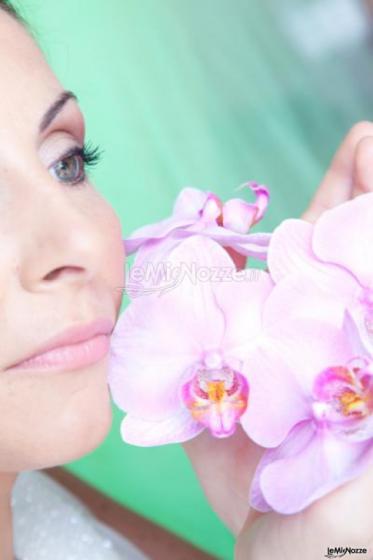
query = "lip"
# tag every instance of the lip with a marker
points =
(76, 347)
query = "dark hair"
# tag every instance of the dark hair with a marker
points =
(4, 5)
(7, 7)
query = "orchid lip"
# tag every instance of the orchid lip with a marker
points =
(343, 396)
(216, 397)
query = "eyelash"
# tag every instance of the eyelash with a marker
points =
(90, 154)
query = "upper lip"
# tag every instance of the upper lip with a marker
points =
(72, 335)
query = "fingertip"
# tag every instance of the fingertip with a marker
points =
(363, 171)
(349, 174)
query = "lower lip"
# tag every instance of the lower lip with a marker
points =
(65, 358)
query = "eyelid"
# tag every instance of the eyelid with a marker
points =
(58, 143)
(70, 120)
(69, 152)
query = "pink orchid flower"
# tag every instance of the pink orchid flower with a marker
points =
(336, 253)
(177, 356)
(202, 212)
(324, 381)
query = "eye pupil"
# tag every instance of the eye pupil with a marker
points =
(69, 169)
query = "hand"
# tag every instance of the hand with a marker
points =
(225, 467)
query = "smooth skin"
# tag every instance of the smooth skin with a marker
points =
(61, 265)
(225, 467)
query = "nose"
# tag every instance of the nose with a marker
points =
(61, 243)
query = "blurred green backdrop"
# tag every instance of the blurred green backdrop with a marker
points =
(208, 93)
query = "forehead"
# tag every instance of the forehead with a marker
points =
(27, 80)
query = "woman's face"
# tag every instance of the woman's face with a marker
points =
(61, 266)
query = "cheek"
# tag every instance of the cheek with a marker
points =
(48, 421)
(113, 263)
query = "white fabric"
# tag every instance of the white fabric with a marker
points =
(50, 523)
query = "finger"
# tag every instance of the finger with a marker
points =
(344, 516)
(250, 519)
(363, 173)
(337, 185)
(225, 468)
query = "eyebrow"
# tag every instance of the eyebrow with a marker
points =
(54, 109)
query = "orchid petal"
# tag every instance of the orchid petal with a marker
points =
(174, 429)
(276, 401)
(361, 317)
(290, 252)
(306, 466)
(256, 498)
(159, 337)
(297, 296)
(241, 297)
(189, 203)
(239, 215)
(196, 210)
(226, 237)
(155, 231)
(187, 210)
(309, 346)
(250, 244)
(150, 271)
(144, 376)
(212, 209)
(344, 235)
(261, 198)
(251, 250)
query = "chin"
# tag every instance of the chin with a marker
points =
(71, 422)
(83, 425)
(82, 430)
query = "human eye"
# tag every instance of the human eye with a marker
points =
(71, 166)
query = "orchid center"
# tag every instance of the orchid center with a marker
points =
(343, 395)
(216, 397)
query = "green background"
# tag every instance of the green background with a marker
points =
(206, 93)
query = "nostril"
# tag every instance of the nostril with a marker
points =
(53, 274)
